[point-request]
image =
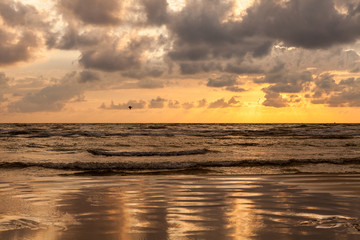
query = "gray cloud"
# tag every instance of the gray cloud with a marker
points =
(222, 81)
(17, 14)
(88, 76)
(51, 98)
(156, 11)
(135, 104)
(162, 103)
(23, 31)
(193, 68)
(306, 23)
(286, 82)
(157, 102)
(150, 84)
(345, 93)
(4, 85)
(16, 51)
(227, 82)
(174, 104)
(108, 57)
(274, 99)
(235, 89)
(202, 103)
(98, 12)
(188, 105)
(72, 39)
(202, 34)
(221, 103)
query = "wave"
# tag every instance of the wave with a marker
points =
(146, 154)
(172, 165)
(320, 131)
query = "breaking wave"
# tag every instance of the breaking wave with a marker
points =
(146, 154)
(171, 165)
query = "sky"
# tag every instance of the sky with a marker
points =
(231, 61)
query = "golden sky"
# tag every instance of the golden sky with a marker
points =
(179, 61)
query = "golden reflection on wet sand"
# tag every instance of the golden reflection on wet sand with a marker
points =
(179, 207)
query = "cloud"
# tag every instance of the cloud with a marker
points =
(24, 30)
(162, 103)
(227, 82)
(97, 12)
(4, 85)
(71, 38)
(235, 89)
(88, 76)
(51, 98)
(110, 58)
(157, 103)
(135, 104)
(222, 81)
(221, 103)
(174, 104)
(156, 11)
(202, 31)
(274, 99)
(345, 93)
(188, 105)
(17, 51)
(307, 23)
(194, 68)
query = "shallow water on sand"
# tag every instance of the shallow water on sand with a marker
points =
(191, 206)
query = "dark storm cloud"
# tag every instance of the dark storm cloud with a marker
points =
(156, 11)
(222, 81)
(72, 39)
(109, 58)
(52, 98)
(201, 33)
(98, 12)
(302, 23)
(286, 82)
(194, 68)
(345, 93)
(243, 69)
(227, 82)
(155, 72)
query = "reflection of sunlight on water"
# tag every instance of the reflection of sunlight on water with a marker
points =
(171, 207)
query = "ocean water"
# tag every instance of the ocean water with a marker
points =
(179, 181)
(218, 148)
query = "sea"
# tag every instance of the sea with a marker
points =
(179, 181)
(146, 147)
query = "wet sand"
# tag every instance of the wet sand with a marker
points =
(40, 205)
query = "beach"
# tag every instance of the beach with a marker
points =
(179, 206)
